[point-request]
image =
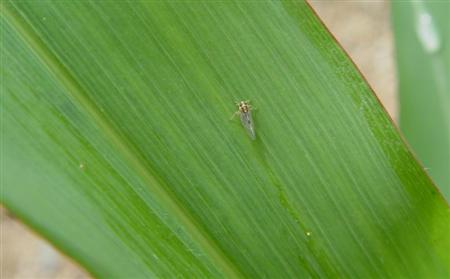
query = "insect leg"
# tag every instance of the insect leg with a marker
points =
(234, 114)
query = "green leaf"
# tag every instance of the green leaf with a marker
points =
(118, 148)
(422, 33)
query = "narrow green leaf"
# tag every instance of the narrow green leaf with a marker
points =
(119, 149)
(422, 33)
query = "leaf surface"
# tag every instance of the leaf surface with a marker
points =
(119, 149)
(422, 33)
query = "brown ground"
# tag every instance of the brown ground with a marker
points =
(362, 28)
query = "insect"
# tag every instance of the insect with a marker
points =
(245, 113)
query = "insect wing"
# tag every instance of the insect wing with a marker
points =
(247, 122)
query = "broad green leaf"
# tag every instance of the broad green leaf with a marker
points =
(118, 145)
(422, 33)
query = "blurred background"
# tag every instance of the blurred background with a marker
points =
(365, 31)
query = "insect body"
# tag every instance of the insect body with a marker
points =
(245, 113)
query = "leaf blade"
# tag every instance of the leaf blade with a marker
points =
(236, 190)
(422, 29)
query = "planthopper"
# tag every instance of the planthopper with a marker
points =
(245, 113)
